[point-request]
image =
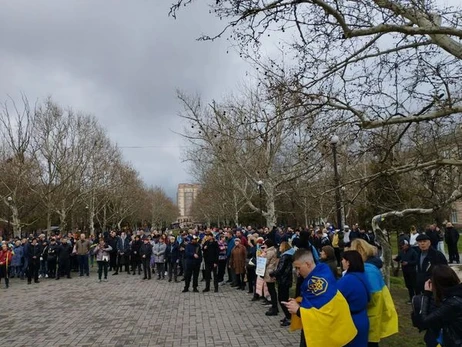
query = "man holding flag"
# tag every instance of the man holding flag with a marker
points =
(323, 314)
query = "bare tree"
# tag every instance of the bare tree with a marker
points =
(18, 170)
(258, 137)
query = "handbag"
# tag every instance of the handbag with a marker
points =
(252, 262)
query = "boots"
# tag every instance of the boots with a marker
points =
(272, 312)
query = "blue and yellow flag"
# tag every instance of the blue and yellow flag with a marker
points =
(383, 319)
(325, 314)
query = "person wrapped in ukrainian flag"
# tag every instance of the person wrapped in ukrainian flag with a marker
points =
(323, 313)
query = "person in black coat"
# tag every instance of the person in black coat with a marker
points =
(135, 255)
(64, 259)
(210, 251)
(34, 254)
(172, 256)
(427, 258)
(193, 259)
(112, 241)
(452, 238)
(145, 255)
(123, 252)
(407, 257)
(446, 315)
(251, 266)
(52, 258)
(284, 278)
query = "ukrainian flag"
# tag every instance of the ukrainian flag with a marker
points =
(383, 319)
(325, 314)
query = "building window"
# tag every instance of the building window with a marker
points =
(454, 218)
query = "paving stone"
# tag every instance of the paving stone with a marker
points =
(127, 311)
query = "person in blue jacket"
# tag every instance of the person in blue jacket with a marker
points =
(355, 288)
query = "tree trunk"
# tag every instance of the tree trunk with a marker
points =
(62, 219)
(104, 218)
(48, 219)
(386, 248)
(270, 214)
(16, 221)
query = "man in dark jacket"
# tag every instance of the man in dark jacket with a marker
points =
(407, 257)
(135, 255)
(211, 252)
(64, 259)
(193, 259)
(123, 249)
(145, 256)
(452, 238)
(427, 258)
(112, 241)
(35, 251)
(172, 256)
(52, 258)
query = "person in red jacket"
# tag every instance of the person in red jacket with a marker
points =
(5, 260)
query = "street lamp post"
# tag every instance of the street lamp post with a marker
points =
(338, 204)
(260, 186)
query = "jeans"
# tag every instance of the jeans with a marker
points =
(172, 270)
(17, 271)
(146, 267)
(43, 268)
(83, 265)
(441, 247)
(102, 266)
(160, 270)
(221, 270)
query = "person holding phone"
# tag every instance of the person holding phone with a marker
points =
(444, 319)
(102, 253)
(322, 308)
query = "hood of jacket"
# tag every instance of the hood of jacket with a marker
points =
(290, 251)
(375, 261)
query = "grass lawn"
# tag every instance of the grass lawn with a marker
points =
(408, 335)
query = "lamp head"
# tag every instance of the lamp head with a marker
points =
(334, 140)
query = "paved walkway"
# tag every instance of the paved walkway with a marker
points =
(126, 311)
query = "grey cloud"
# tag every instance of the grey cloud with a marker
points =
(121, 61)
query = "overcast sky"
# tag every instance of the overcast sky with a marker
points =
(120, 61)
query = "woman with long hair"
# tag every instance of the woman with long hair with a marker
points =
(383, 318)
(354, 287)
(446, 315)
(283, 275)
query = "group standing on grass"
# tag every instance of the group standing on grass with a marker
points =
(338, 288)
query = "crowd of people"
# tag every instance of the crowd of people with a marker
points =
(339, 271)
